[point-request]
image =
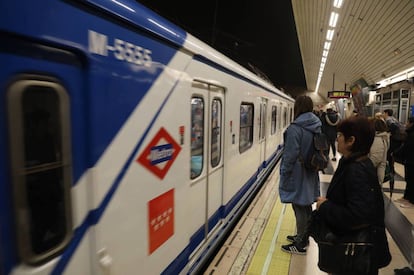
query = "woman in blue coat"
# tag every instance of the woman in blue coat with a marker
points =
(299, 185)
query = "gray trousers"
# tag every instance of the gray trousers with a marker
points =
(303, 214)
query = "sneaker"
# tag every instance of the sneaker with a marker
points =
(403, 271)
(401, 200)
(407, 205)
(291, 238)
(293, 249)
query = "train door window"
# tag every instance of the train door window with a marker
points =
(38, 112)
(279, 117)
(290, 114)
(215, 132)
(246, 126)
(262, 121)
(284, 116)
(274, 117)
(197, 136)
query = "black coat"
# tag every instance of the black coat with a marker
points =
(354, 199)
(407, 150)
(329, 127)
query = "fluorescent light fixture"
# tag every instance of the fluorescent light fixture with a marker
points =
(337, 3)
(333, 20)
(329, 35)
(406, 74)
(317, 85)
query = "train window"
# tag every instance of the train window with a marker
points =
(284, 116)
(246, 126)
(274, 117)
(290, 115)
(41, 167)
(262, 123)
(215, 132)
(386, 96)
(405, 93)
(197, 136)
(396, 94)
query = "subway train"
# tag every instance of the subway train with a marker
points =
(128, 145)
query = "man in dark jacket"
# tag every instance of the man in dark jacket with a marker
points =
(330, 120)
(407, 153)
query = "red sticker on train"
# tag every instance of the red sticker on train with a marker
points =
(160, 219)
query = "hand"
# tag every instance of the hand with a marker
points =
(319, 201)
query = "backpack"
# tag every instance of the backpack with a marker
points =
(317, 158)
(397, 130)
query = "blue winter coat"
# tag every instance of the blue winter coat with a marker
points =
(297, 184)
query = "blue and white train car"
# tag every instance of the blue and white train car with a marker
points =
(127, 145)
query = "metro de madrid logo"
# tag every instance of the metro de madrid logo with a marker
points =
(160, 154)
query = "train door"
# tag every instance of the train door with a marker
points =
(207, 151)
(262, 128)
(43, 173)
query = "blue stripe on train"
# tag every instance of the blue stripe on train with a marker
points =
(249, 188)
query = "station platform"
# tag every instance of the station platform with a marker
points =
(254, 246)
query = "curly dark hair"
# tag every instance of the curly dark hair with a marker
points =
(362, 129)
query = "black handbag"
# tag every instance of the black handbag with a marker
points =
(350, 253)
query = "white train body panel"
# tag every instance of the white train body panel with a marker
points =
(158, 141)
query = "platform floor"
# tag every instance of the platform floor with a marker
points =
(253, 247)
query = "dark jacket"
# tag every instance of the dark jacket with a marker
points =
(355, 199)
(329, 121)
(407, 150)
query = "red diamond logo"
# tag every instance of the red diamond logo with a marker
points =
(160, 154)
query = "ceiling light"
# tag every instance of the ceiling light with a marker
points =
(333, 19)
(325, 53)
(397, 51)
(327, 45)
(329, 35)
(337, 3)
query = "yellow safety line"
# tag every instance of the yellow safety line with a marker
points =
(268, 257)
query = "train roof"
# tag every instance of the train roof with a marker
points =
(142, 17)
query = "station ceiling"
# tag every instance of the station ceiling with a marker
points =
(373, 40)
(284, 39)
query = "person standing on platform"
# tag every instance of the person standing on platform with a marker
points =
(354, 198)
(407, 201)
(407, 154)
(330, 120)
(395, 143)
(298, 185)
(379, 148)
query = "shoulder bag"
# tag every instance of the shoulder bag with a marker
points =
(350, 253)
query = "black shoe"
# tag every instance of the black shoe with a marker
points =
(403, 271)
(294, 249)
(291, 238)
